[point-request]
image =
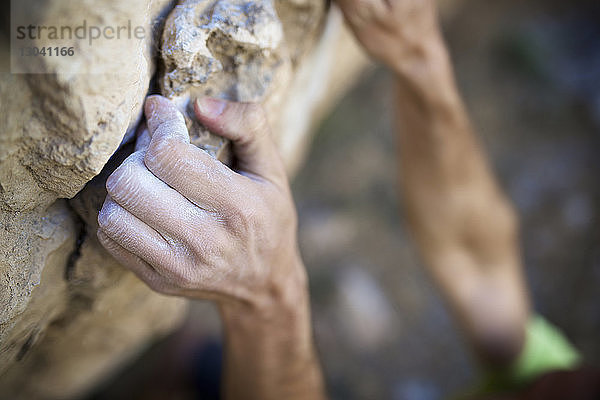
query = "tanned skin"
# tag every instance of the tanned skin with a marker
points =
(465, 227)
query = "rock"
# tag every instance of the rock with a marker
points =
(110, 317)
(235, 50)
(221, 49)
(289, 55)
(60, 126)
(84, 293)
(34, 250)
(70, 313)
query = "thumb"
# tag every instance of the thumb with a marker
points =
(245, 124)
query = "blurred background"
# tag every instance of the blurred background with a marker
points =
(530, 75)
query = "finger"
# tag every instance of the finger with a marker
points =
(203, 180)
(143, 138)
(142, 241)
(152, 201)
(164, 120)
(246, 126)
(132, 234)
(134, 263)
(193, 173)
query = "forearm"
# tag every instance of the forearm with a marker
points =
(269, 348)
(449, 190)
(464, 225)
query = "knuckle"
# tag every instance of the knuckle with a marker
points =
(241, 220)
(178, 273)
(172, 127)
(167, 122)
(208, 249)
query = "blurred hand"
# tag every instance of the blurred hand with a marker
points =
(188, 225)
(393, 32)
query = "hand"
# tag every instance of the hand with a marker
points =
(188, 225)
(394, 32)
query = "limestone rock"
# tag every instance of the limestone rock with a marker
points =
(225, 49)
(34, 249)
(235, 50)
(228, 47)
(84, 293)
(111, 315)
(61, 126)
(69, 312)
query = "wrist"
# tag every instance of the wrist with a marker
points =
(276, 336)
(426, 58)
(426, 71)
(283, 297)
(426, 89)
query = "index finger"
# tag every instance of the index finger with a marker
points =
(189, 170)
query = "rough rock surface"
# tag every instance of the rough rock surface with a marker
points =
(109, 317)
(295, 57)
(69, 312)
(64, 125)
(223, 49)
(235, 50)
(32, 288)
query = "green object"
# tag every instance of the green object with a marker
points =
(546, 349)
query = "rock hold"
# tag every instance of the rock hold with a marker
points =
(226, 49)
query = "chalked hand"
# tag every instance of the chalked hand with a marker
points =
(188, 225)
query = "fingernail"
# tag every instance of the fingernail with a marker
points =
(150, 106)
(210, 107)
